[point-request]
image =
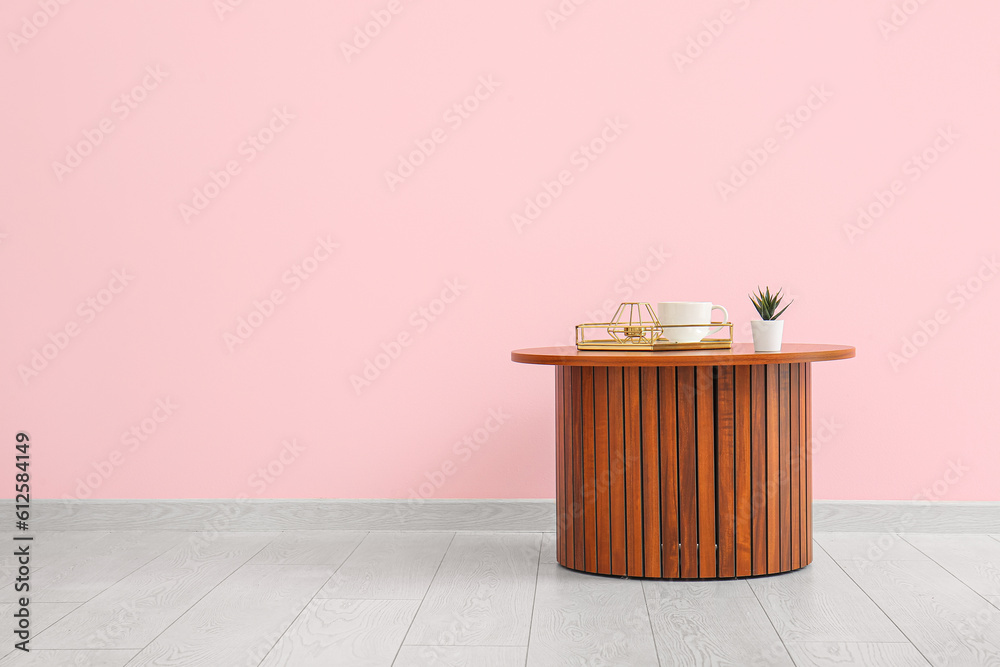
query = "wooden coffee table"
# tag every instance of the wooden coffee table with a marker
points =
(684, 464)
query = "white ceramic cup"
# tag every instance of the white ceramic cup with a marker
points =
(688, 312)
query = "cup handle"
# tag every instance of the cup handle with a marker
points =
(725, 318)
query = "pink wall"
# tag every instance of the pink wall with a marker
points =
(231, 157)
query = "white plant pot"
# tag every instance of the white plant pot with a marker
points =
(767, 335)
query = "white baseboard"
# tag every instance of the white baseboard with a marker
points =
(459, 515)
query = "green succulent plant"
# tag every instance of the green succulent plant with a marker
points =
(766, 303)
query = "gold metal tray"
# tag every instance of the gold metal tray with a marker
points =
(635, 328)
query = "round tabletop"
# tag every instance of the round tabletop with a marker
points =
(739, 354)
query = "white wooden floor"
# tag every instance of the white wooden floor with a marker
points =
(346, 598)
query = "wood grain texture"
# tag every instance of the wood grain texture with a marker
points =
(239, 621)
(741, 353)
(805, 454)
(907, 516)
(795, 454)
(690, 590)
(548, 549)
(821, 603)
(687, 477)
(602, 467)
(42, 615)
(744, 473)
(670, 563)
(773, 494)
(482, 593)
(972, 559)
(145, 602)
(566, 512)
(715, 631)
(809, 458)
(80, 575)
(310, 547)
(38, 658)
(560, 464)
(844, 654)
(362, 633)
(616, 431)
(582, 619)
(461, 656)
(589, 473)
(726, 473)
(652, 558)
(946, 620)
(389, 566)
(868, 546)
(784, 465)
(633, 472)
(576, 438)
(758, 409)
(278, 515)
(705, 391)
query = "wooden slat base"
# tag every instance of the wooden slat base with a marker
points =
(684, 472)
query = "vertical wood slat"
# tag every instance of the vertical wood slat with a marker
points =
(726, 476)
(773, 495)
(577, 437)
(589, 476)
(560, 466)
(687, 472)
(650, 472)
(758, 439)
(784, 481)
(569, 493)
(616, 435)
(633, 471)
(603, 498)
(794, 476)
(668, 473)
(707, 564)
(744, 512)
(804, 455)
(809, 458)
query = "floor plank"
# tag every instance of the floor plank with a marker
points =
(136, 609)
(868, 546)
(842, 654)
(77, 575)
(946, 620)
(461, 656)
(360, 633)
(482, 593)
(310, 547)
(389, 566)
(239, 621)
(584, 619)
(47, 548)
(820, 603)
(715, 631)
(73, 658)
(549, 556)
(973, 559)
(674, 590)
